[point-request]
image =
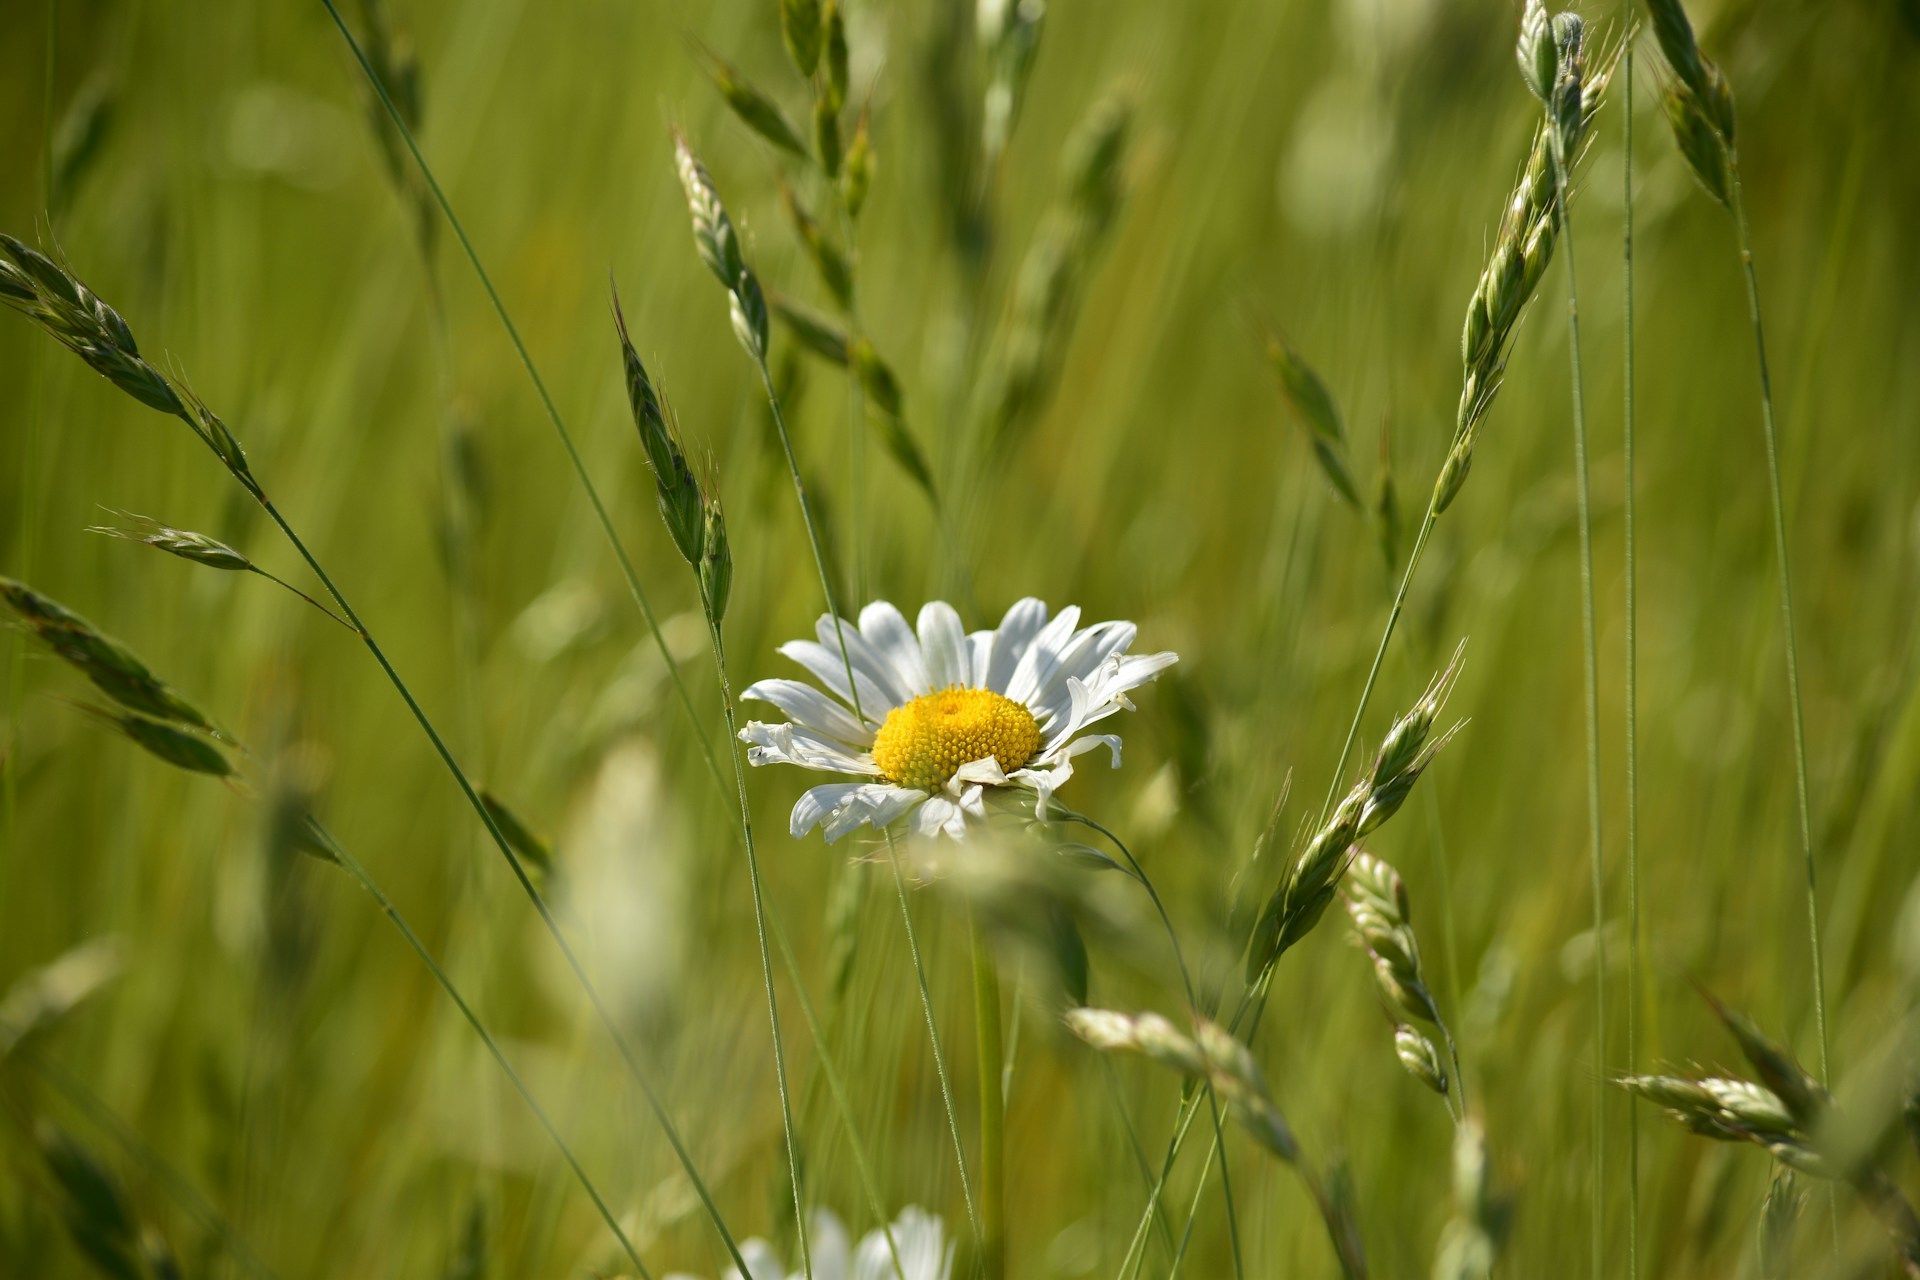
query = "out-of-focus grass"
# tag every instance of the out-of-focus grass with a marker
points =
(1335, 168)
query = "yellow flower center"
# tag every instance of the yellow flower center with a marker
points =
(923, 743)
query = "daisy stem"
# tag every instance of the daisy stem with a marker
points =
(933, 1036)
(760, 932)
(975, 1217)
(986, 1012)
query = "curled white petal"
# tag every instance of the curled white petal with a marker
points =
(840, 807)
(790, 744)
(978, 772)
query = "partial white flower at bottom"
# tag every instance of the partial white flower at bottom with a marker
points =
(937, 719)
(920, 1238)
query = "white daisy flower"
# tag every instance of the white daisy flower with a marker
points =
(920, 1237)
(944, 718)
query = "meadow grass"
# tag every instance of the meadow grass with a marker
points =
(993, 342)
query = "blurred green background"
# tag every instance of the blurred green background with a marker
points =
(1331, 169)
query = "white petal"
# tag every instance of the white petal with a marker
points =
(762, 1262)
(817, 804)
(1058, 757)
(824, 664)
(1010, 641)
(921, 1240)
(832, 1251)
(943, 646)
(1042, 655)
(1130, 671)
(1073, 716)
(934, 817)
(987, 771)
(865, 656)
(811, 709)
(888, 633)
(875, 805)
(1079, 659)
(973, 804)
(789, 744)
(980, 647)
(1044, 783)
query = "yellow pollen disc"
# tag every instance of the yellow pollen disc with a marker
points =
(923, 743)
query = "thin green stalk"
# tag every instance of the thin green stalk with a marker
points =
(29, 503)
(986, 1013)
(1778, 506)
(760, 933)
(544, 910)
(831, 599)
(1193, 1002)
(353, 868)
(281, 582)
(46, 106)
(1632, 670)
(837, 1086)
(540, 387)
(933, 1037)
(1591, 646)
(1457, 1096)
(1112, 1077)
(1398, 607)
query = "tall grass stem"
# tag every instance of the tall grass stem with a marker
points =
(1632, 674)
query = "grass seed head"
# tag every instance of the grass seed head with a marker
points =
(753, 108)
(1701, 145)
(856, 169)
(1539, 61)
(716, 561)
(169, 743)
(1803, 1095)
(677, 489)
(185, 543)
(98, 1213)
(55, 299)
(818, 333)
(713, 233)
(114, 669)
(1420, 1058)
(834, 33)
(1314, 404)
(826, 136)
(528, 846)
(800, 32)
(832, 266)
